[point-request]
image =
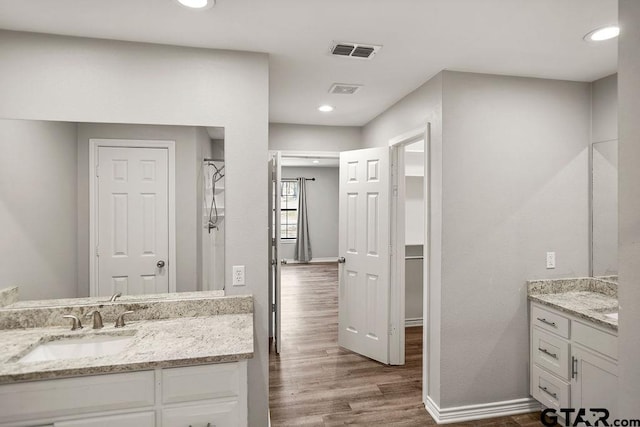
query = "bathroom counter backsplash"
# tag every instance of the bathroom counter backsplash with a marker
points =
(587, 298)
(164, 343)
(193, 304)
(8, 296)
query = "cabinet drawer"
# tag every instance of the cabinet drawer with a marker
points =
(549, 390)
(201, 382)
(214, 415)
(550, 321)
(595, 339)
(142, 419)
(56, 398)
(550, 352)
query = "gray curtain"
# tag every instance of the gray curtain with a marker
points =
(303, 242)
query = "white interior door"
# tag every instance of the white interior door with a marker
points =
(363, 300)
(276, 222)
(132, 220)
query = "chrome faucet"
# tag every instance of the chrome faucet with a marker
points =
(120, 319)
(97, 319)
(115, 296)
(77, 324)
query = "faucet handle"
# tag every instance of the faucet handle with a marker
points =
(77, 324)
(120, 319)
(97, 319)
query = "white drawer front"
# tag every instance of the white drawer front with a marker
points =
(550, 321)
(550, 352)
(211, 415)
(201, 382)
(56, 398)
(143, 419)
(549, 390)
(595, 339)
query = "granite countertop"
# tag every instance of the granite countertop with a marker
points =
(156, 344)
(587, 298)
(68, 302)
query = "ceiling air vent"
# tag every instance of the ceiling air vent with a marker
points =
(354, 50)
(344, 89)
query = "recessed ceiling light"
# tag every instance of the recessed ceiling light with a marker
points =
(604, 33)
(197, 4)
(325, 108)
(316, 162)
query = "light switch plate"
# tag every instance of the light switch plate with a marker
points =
(551, 260)
(238, 275)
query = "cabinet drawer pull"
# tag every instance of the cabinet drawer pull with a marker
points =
(543, 320)
(548, 353)
(555, 396)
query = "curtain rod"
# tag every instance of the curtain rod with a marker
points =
(293, 179)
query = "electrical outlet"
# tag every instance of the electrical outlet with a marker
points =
(551, 260)
(238, 275)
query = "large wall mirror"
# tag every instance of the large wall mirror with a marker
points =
(92, 209)
(604, 202)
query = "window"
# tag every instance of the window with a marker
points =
(289, 208)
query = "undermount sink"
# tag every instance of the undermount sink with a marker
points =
(74, 348)
(613, 316)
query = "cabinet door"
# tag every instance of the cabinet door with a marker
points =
(594, 383)
(143, 419)
(221, 414)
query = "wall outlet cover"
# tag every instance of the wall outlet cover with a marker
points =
(551, 260)
(238, 275)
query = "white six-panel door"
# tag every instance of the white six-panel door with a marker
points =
(363, 299)
(132, 221)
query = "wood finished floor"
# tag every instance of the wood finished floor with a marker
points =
(313, 382)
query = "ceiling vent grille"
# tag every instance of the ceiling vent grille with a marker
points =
(344, 89)
(354, 50)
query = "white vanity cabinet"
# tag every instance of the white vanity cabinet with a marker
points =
(196, 396)
(573, 362)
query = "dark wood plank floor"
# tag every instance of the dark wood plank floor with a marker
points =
(313, 382)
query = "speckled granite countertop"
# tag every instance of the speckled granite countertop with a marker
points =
(156, 344)
(586, 298)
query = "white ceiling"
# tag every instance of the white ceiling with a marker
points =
(540, 38)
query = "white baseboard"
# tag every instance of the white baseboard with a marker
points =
(412, 321)
(314, 260)
(478, 412)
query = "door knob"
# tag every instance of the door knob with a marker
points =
(341, 260)
(160, 264)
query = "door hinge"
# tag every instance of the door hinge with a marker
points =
(392, 329)
(97, 170)
(97, 250)
(273, 308)
(273, 241)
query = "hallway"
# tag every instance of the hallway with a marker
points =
(316, 383)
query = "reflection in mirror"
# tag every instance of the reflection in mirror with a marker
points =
(93, 209)
(604, 199)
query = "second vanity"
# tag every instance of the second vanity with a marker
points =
(574, 344)
(176, 362)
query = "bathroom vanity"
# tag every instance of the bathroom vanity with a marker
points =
(574, 344)
(185, 364)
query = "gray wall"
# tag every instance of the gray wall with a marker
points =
(604, 105)
(38, 208)
(508, 182)
(86, 80)
(629, 207)
(413, 111)
(515, 185)
(322, 207)
(285, 137)
(188, 247)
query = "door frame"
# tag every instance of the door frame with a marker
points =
(397, 240)
(94, 145)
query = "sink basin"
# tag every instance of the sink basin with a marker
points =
(613, 316)
(74, 348)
